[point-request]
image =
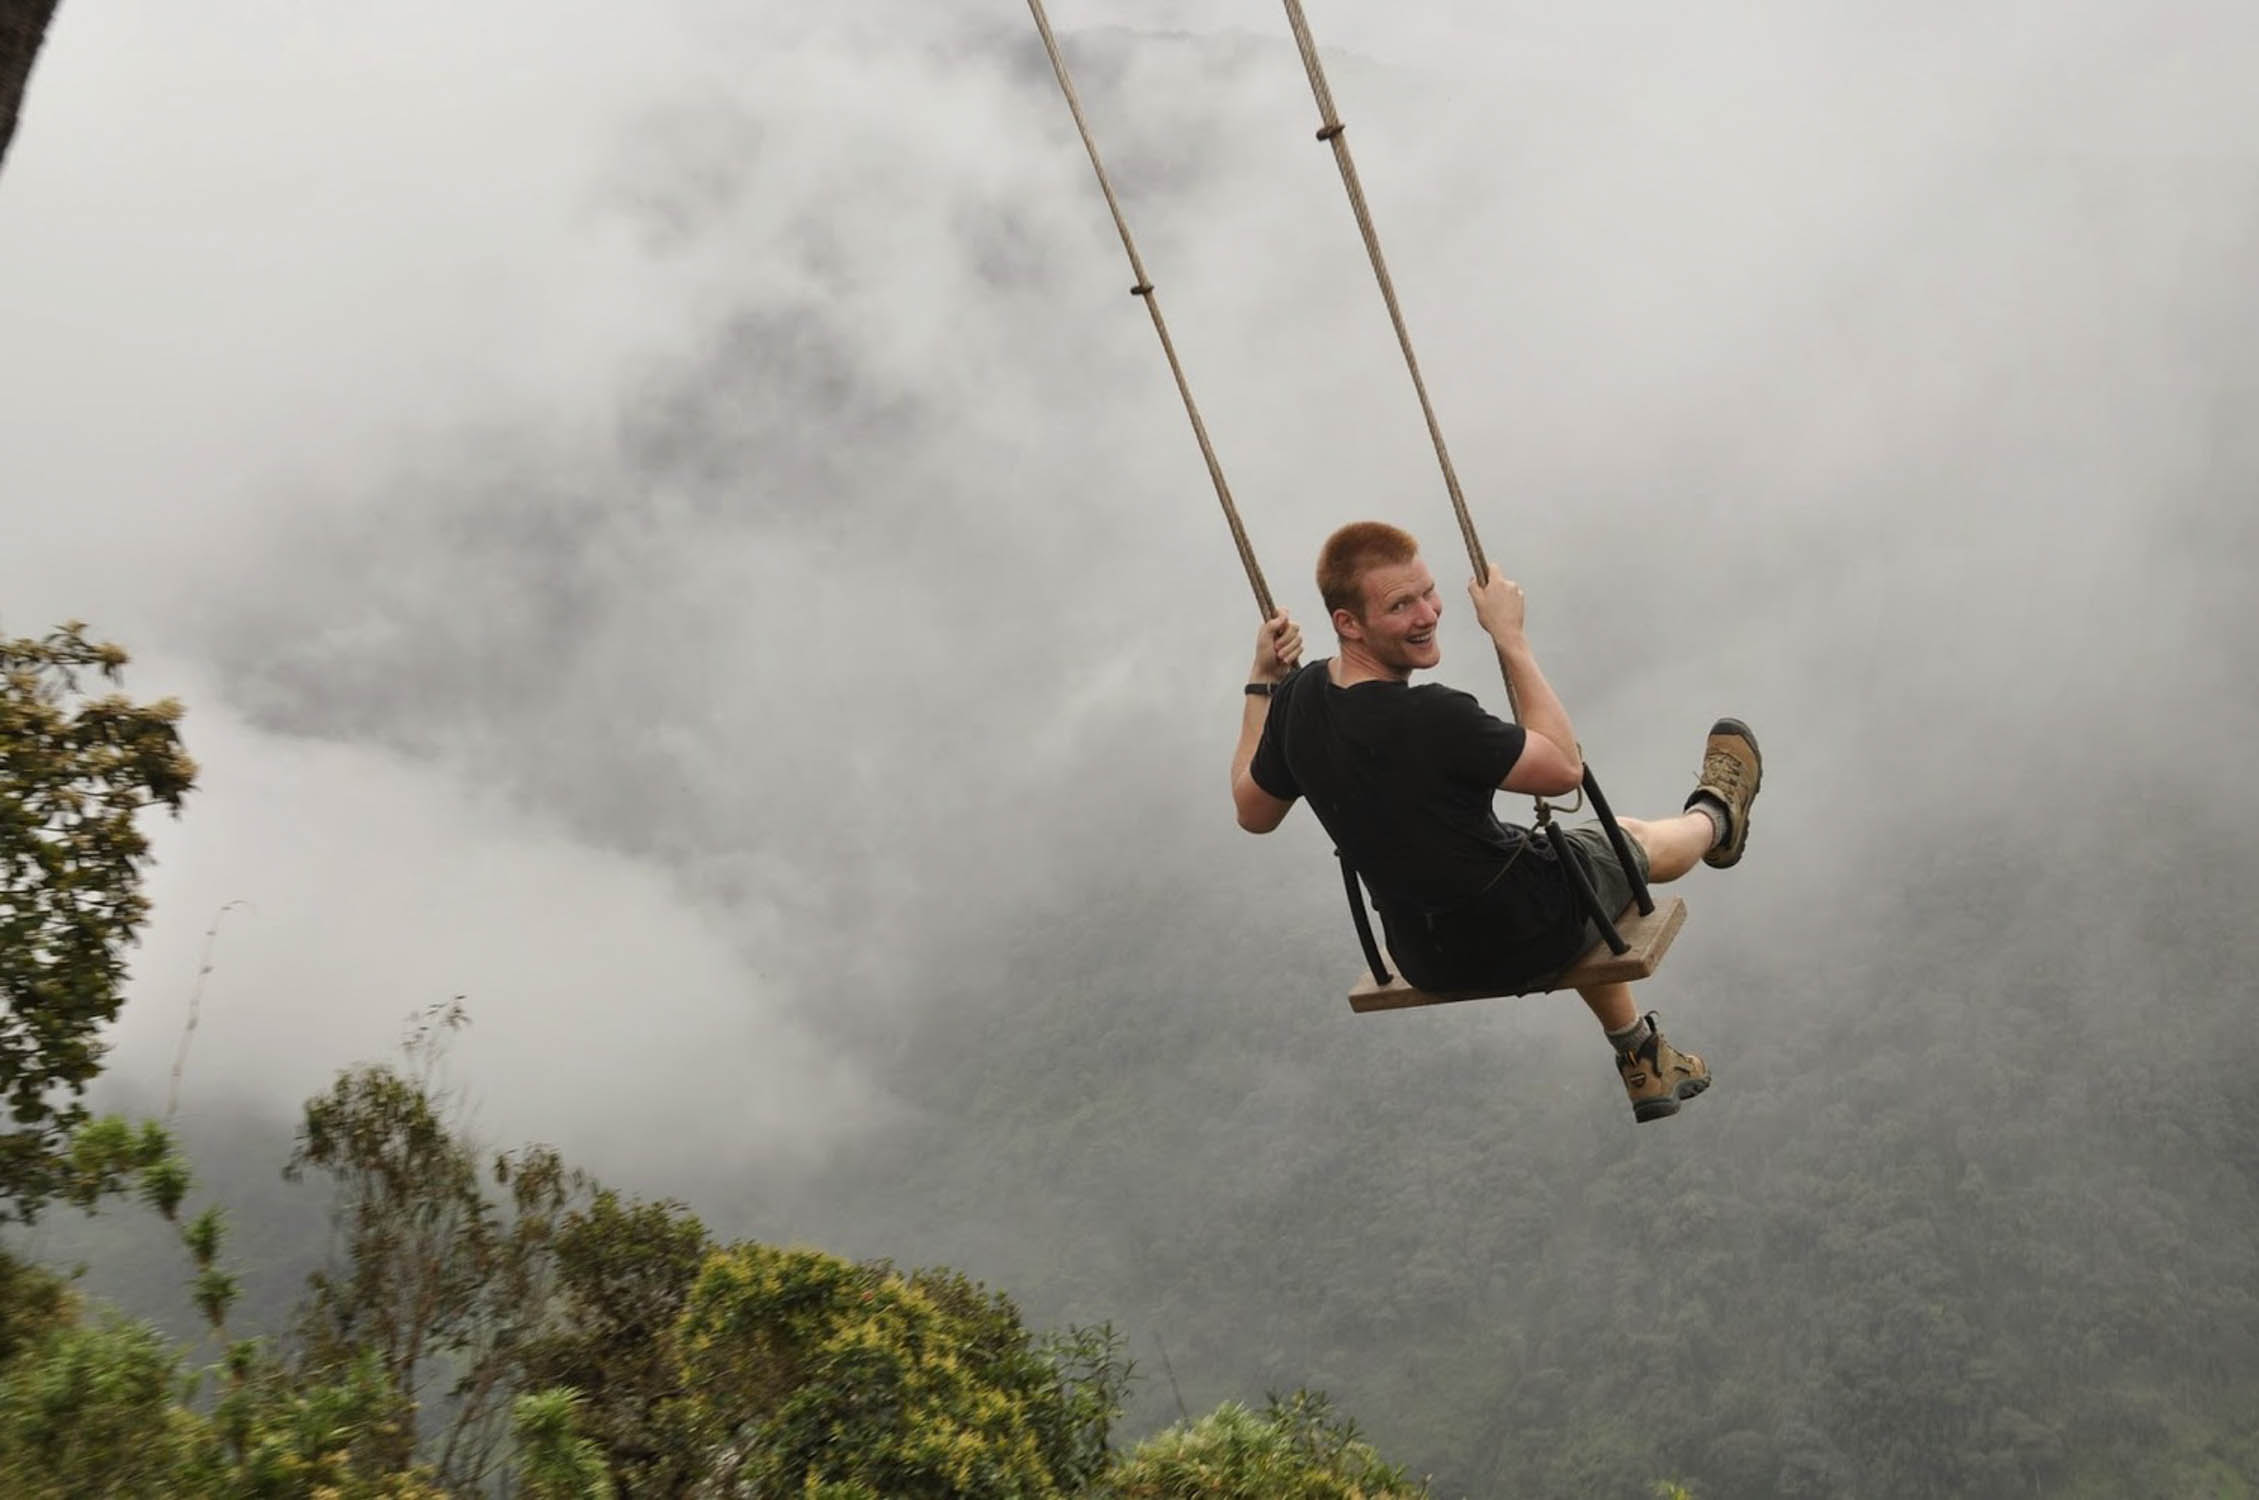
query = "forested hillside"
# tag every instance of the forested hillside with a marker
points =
(1972, 1210)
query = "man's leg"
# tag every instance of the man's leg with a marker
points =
(1657, 1076)
(1715, 825)
(1712, 830)
(1674, 845)
(1612, 1006)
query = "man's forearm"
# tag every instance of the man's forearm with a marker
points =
(1541, 708)
(1258, 810)
(1251, 720)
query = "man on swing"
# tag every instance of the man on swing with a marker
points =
(1402, 777)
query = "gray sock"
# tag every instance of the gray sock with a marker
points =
(1715, 811)
(1631, 1038)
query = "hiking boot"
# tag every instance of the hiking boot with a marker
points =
(1731, 769)
(1658, 1076)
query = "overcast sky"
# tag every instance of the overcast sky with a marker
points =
(666, 521)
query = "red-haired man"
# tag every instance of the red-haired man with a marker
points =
(1402, 777)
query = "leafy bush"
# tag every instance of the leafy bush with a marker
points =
(1295, 1449)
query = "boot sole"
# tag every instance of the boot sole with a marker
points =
(1663, 1109)
(1726, 859)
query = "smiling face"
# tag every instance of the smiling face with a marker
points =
(1396, 627)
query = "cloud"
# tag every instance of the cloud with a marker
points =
(701, 465)
(374, 888)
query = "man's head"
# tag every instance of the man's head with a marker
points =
(1382, 597)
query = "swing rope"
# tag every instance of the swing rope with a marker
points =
(1336, 134)
(1144, 291)
(1332, 131)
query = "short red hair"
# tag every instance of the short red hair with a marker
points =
(1353, 550)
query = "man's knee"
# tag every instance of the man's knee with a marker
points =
(1673, 846)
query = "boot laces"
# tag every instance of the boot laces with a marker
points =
(1724, 772)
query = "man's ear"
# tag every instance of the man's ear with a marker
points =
(1347, 626)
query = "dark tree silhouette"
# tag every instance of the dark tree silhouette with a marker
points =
(23, 26)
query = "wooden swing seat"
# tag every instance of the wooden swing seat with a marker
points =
(1649, 936)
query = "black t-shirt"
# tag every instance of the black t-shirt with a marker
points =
(1402, 777)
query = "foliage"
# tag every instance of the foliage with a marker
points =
(104, 1406)
(804, 1370)
(90, 1410)
(277, 1434)
(1819, 1290)
(1295, 1449)
(624, 1272)
(98, 1408)
(554, 1460)
(103, 1157)
(633, 1357)
(437, 1278)
(33, 1304)
(107, 1154)
(75, 773)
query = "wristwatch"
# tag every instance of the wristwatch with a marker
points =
(1260, 689)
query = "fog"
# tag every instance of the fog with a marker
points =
(668, 527)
